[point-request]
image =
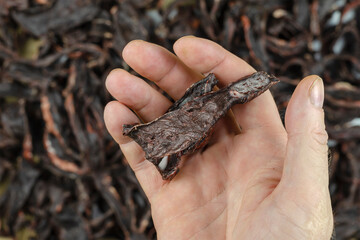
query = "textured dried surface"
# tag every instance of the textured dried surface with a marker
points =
(187, 126)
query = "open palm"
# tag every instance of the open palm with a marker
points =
(263, 183)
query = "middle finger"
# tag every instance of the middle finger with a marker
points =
(160, 66)
(136, 94)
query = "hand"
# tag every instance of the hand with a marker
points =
(267, 182)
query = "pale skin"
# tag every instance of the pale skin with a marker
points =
(267, 182)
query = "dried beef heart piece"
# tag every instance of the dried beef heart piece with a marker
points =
(199, 88)
(188, 123)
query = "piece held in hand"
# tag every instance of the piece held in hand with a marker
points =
(188, 123)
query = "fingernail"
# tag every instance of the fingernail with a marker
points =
(317, 93)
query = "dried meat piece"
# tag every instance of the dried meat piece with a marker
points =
(64, 15)
(189, 122)
(199, 88)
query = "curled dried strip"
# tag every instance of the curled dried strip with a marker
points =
(187, 125)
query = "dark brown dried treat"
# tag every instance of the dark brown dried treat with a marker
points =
(199, 88)
(188, 123)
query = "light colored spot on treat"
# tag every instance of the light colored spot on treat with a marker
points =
(235, 94)
(162, 165)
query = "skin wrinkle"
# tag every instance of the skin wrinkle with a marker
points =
(228, 153)
(147, 96)
(173, 66)
(261, 167)
(268, 224)
(212, 69)
(194, 209)
(227, 156)
(269, 179)
(289, 219)
(265, 126)
(141, 166)
(143, 106)
(234, 181)
(223, 183)
(141, 154)
(240, 204)
(260, 173)
(228, 144)
(290, 236)
(299, 134)
(318, 151)
(254, 184)
(209, 224)
(320, 136)
(279, 145)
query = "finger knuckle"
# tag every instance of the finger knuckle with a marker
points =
(319, 141)
(320, 136)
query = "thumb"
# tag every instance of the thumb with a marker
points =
(305, 197)
(306, 160)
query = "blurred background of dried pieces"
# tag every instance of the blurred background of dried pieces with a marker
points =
(61, 174)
